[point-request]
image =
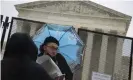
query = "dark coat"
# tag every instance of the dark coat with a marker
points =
(22, 69)
(64, 67)
(19, 60)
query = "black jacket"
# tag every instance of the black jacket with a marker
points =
(64, 67)
(19, 60)
(22, 68)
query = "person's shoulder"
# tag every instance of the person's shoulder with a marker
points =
(38, 71)
(60, 56)
(33, 66)
(36, 65)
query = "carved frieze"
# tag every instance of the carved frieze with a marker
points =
(71, 7)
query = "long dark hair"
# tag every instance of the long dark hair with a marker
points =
(21, 44)
(46, 41)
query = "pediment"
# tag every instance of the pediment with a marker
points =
(72, 7)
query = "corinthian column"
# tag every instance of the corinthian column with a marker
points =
(87, 57)
(103, 52)
(23, 26)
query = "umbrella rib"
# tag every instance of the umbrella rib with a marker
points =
(64, 33)
(73, 30)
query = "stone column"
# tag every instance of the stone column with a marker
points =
(118, 59)
(35, 27)
(87, 57)
(103, 52)
(23, 26)
(111, 53)
(19, 25)
(14, 27)
(95, 55)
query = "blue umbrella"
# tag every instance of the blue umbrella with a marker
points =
(70, 44)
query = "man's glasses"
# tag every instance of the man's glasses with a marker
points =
(53, 48)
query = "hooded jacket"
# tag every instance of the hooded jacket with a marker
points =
(19, 60)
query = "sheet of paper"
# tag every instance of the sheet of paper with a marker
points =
(99, 76)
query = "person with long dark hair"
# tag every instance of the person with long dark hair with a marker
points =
(50, 47)
(19, 61)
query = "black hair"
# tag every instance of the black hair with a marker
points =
(21, 44)
(46, 41)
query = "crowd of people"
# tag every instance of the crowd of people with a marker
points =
(22, 62)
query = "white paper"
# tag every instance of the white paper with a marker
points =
(99, 76)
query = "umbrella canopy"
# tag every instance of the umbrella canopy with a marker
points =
(70, 44)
